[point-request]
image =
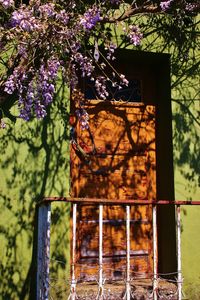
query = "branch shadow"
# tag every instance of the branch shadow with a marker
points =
(33, 164)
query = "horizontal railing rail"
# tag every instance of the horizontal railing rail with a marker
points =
(117, 201)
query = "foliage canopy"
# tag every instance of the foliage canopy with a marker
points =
(40, 39)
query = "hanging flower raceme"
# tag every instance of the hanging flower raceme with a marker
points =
(83, 118)
(35, 97)
(111, 49)
(101, 87)
(7, 3)
(135, 35)
(2, 124)
(166, 5)
(90, 18)
(84, 64)
(44, 87)
(24, 19)
(47, 10)
(15, 80)
(63, 17)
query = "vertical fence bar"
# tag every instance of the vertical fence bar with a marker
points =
(43, 252)
(179, 279)
(100, 294)
(128, 286)
(155, 254)
(73, 279)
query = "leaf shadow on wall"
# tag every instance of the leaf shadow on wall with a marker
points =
(34, 164)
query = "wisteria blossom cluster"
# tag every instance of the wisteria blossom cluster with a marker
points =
(43, 40)
(90, 18)
(166, 5)
(134, 34)
(24, 19)
(6, 3)
(37, 94)
(83, 117)
(2, 124)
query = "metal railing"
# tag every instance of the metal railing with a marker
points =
(43, 247)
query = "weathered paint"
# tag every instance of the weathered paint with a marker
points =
(117, 160)
(155, 254)
(72, 295)
(43, 251)
(128, 284)
(100, 295)
(106, 201)
(179, 270)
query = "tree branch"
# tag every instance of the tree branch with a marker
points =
(150, 9)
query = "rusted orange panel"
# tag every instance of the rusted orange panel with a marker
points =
(117, 161)
(113, 269)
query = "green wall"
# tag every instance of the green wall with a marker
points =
(187, 182)
(34, 163)
(190, 238)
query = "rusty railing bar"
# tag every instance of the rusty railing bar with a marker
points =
(72, 295)
(116, 201)
(128, 286)
(100, 292)
(155, 254)
(179, 271)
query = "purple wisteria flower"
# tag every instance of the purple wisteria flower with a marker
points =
(83, 118)
(45, 87)
(63, 17)
(101, 88)
(25, 104)
(22, 50)
(2, 124)
(7, 3)
(111, 49)
(73, 78)
(90, 18)
(135, 35)
(123, 80)
(40, 110)
(15, 80)
(191, 7)
(24, 19)
(10, 85)
(84, 64)
(166, 5)
(38, 94)
(47, 10)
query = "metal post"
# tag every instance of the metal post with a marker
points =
(73, 279)
(179, 279)
(43, 252)
(100, 293)
(128, 286)
(155, 254)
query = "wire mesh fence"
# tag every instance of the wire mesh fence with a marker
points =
(140, 290)
(141, 286)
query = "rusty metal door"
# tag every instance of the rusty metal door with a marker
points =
(115, 158)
